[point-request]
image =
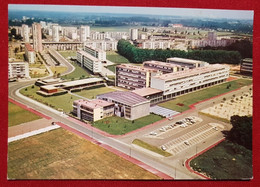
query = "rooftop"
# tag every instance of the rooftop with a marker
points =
(128, 98)
(190, 72)
(161, 63)
(72, 83)
(146, 91)
(96, 103)
(184, 60)
(137, 68)
(28, 47)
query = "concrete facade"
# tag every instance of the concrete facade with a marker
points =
(37, 37)
(29, 53)
(18, 70)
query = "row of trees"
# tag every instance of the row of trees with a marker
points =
(137, 55)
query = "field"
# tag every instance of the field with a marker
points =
(78, 72)
(16, 115)
(201, 95)
(117, 125)
(61, 101)
(151, 147)
(59, 154)
(58, 69)
(92, 93)
(225, 161)
(116, 58)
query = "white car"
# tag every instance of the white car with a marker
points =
(153, 133)
(187, 142)
(163, 147)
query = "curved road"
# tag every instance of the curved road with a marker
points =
(161, 164)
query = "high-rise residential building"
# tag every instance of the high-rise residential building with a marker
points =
(84, 33)
(37, 37)
(29, 53)
(25, 33)
(43, 24)
(55, 33)
(133, 34)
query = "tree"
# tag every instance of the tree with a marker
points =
(241, 132)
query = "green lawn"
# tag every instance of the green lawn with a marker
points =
(151, 147)
(78, 72)
(112, 68)
(116, 58)
(91, 93)
(225, 161)
(61, 101)
(117, 126)
(16, 115)
(60, 154)
(201, 95)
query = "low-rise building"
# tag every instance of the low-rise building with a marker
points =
(186, 62)
(29, 53)
(127, 104)
(93, 110)
(133, 77)
(63, 87)
(152, 94)
(246, 66)
(162, 66)
(18, 70)
(178, 83)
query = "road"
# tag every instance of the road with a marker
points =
(172, 166)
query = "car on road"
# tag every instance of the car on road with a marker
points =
(170, 118)
(163, 147)
(153, 133)
(186, 142)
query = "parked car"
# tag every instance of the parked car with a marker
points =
(187, 142)
(163, 147)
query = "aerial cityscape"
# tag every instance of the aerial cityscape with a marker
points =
(100, 92)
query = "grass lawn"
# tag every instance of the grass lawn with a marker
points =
(116, 58)
(60, 154)
(58, 69)
(61, 101)
(117, 126)
(112, 68)
(66, 54)
(78, 72)
(92, 93)
(16, 115)
(151, 147)
(225, 161)
(20, 56)
(197, 96)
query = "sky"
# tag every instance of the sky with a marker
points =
(207, 13)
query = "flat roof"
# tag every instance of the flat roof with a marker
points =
(184, 60)
(72, 83)
(190, 72)
(147, 91)
(28, 47)
(84, 53)
(137, 68)
(96, 103)
(125, 97)
(160, 63)
(50, 80)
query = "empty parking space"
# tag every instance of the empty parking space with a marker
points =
(191, 138)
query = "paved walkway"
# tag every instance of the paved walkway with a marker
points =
(28, 127)
(32, 133)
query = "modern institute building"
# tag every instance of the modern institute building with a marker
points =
(127, 104)
(133, 77)
(183, 62)
(93, 110)
(162, 66)
(246, 66)
(178, 83)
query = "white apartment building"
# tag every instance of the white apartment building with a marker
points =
(178, 83)
(133, 34)
(84, 33)
(37, 37)
(18, 70)
(88, 61)
(25, 33)
(29, 53)
(103, 45)
(97, 53)
(156, 44)
(55, 33)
